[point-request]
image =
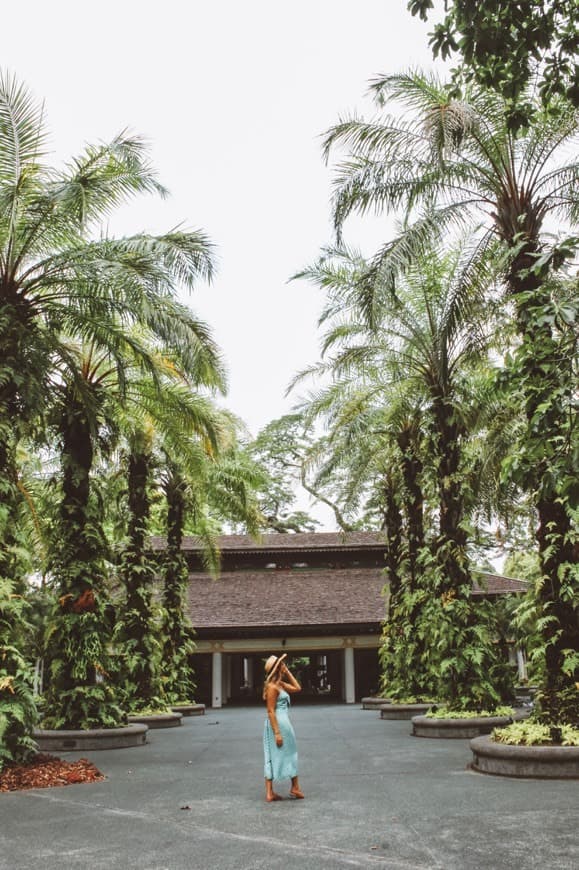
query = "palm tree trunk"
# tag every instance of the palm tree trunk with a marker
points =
(14, 411)
(137, 635)
(77, 461)
(80, 692)
(452, 540)
(392, 525)
(413, 499)
(178, 675)
(547, 390)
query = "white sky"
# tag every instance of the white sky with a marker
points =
(233, 97)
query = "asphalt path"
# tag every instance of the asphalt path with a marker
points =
(376, 797)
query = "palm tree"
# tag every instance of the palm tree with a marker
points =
(202, 489)
(172, 421)
(178, 634)
(426, 345)
(448, 165)
(59, 278)
(80, 691)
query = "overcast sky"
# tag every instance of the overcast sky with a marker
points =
(233, 97)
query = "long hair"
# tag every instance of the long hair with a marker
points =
(268, 680)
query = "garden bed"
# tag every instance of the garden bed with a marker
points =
(90, 738)
(189, 709)
(47, 771)
(402, 711)
(529, 762)
(456, 729)
(157, 720)
(374, 703)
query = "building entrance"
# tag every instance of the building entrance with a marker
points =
(326, 675)
(319, 673)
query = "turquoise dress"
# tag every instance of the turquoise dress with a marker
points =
(280, 762)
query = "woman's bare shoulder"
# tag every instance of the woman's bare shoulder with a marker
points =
(271, 690)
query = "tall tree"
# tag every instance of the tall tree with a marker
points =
(280, 449)
(61, 276)
(427, 343)
(185, 435)
(80, 692)
(446, 164)
(507, 44)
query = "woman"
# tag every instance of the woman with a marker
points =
(279, 740)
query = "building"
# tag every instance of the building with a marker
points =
(316, 596)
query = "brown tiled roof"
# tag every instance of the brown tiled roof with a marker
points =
(496, 584)
(298, 541)
(268, 598)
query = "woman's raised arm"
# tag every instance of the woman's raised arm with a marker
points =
(292, 684)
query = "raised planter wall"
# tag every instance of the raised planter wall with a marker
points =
(529, 762)
(402, 711)
(374, 703)
(159, 720)
(456, 729)
(189, 709)
(90, 739)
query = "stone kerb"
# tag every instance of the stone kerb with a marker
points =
(189, 709)
(457, 729)
(90, 739)
(374, 703)
(532, 762)
(402, 711)
(159, 720)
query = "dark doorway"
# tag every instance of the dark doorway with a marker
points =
(319, 673)
(366, 672)
(202, 664)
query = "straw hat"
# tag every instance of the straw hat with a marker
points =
(272, 664)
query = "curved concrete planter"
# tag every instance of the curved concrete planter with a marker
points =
(374, 703)
(91, 739)
(403, 711)
(189, 709)
(535, 762)
(159, 720)
(457, 729)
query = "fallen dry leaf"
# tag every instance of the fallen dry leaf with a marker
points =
(47, 771)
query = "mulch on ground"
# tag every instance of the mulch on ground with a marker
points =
(47, 771)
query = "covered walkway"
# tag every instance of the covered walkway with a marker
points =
(376, 798)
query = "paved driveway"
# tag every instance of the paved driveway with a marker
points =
(375, 798)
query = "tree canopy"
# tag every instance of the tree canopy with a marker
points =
(506, 45)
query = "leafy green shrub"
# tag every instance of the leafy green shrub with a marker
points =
(159, 710)
(17, 709)
(82, 691)
(443, 713)
(532, 733)
(560, 706)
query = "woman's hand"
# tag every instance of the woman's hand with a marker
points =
(278, 740)
(292, 684)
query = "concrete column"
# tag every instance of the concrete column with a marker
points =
(227, 679)
(249, 672)
(216, 679)
(521, 664)
(349, 676)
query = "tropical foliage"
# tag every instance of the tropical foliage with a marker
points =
(506, 45)
(97, 349)
(416, 383)
(444, 412)
(449, 165)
